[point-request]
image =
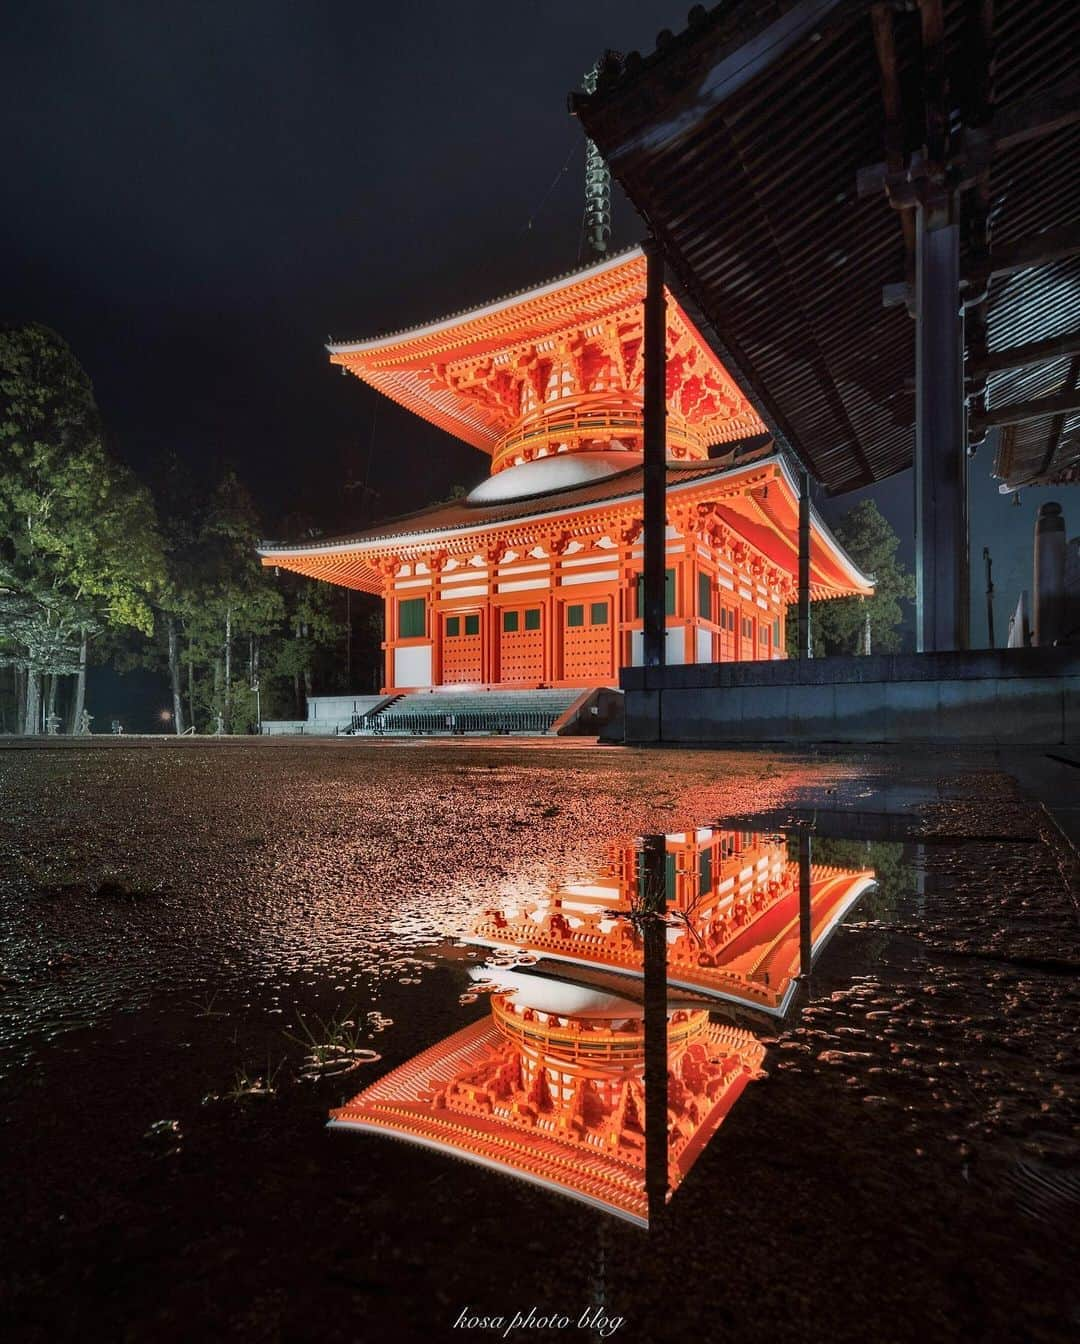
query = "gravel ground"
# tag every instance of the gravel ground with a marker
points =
(172, 914)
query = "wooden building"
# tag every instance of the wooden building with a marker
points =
(532, 579)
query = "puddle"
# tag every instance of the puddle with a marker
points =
(669, 1079)
(656, 980)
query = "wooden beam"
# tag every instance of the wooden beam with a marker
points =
(1038, 250)
(1015, 123)
(1037, 115)
(934, 88)
(1062, 403)
(1057, 425)
(885, 47)
(1035, 352)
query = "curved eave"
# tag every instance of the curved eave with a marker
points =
(768, 521)
(837, 575)
(399, 365)
(460, 322)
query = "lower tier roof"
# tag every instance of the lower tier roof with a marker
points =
(757, 501)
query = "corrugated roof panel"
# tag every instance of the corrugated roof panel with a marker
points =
(753, 197)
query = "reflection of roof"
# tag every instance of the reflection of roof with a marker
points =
(407, 1104)
(757, 966)
(774, 110)
(769, 522)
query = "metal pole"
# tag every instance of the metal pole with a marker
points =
(989, 597)
(941, 517)
(804, 566)
(655, 474)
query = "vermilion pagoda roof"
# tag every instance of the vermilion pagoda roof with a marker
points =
(767, 520)
(465, 372)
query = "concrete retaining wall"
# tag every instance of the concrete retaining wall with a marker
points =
(1013, 696)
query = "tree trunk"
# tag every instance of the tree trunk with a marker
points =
(19, 714)
(227, 706)
(307, 671)
(50, 712)
(31, 723)
(296, 678)
(218, 729)
(191, 679)
(174, 676)
(348, 640)
(75, 722)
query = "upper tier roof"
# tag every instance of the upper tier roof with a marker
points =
(562, 359)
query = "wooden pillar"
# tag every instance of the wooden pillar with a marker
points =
(436, 620)
(803, 649)
(388, 631)
(655, 470)
(941, 515)
(551, 635)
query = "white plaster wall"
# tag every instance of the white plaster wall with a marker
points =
(674, 644)
(412, 666)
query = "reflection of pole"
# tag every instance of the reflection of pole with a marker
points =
(989, 597)
(805, 939)
(653, 895)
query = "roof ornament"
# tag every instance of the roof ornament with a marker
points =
(597, 181)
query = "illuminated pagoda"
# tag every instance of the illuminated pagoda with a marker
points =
(531, 580)
(551, 1086)
(732, 902)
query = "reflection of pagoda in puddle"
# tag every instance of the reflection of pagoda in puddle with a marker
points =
(553, 1085)
(732, 901)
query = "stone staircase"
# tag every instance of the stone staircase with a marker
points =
(329, 715)
(449, 713)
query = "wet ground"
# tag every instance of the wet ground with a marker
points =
(176, 919)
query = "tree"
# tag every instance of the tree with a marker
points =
(79, 547)
(840, 625)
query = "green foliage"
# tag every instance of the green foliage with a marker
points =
(79, 546)
(839, 625)
(84, 556)
(895, 879)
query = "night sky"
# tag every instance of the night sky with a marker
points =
(197, 196)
